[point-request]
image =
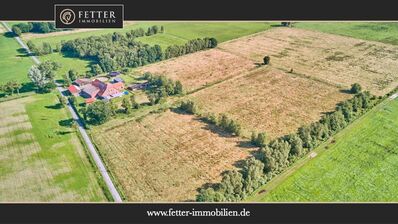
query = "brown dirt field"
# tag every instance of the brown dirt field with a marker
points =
(201, 68)
(270, 100)
(2, 29)
(336, 59)
(167, 156)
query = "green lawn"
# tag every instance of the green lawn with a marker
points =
(361, 166)
(14, 64)
(67, 63)
(386, 32)
(42, 158)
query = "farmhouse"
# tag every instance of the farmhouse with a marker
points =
(97, 89)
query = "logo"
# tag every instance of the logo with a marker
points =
(67, 16)
(88, 16)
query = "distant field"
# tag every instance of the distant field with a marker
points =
(175, 32)
(271, 100)
(167, 156)
(331, 58)
(361, 166)
(41, 159)
(14, 65)
(386, 32)
(201, 68)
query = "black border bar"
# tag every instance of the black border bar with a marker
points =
(215, 9)
(259, 213)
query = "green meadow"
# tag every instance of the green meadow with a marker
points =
(14, 63)
(42, 158)
(359, 165)
(386, 32)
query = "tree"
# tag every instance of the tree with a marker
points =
(259, 140)
(98, 112)
(126, 105)
(356, 88)
(16, 30)
(133, 102)
(266, 59)
(66, 80)
(253, 174)
(72, 99)
(73, 75)
(38, 78)
(232, 185)
(189, 107)
(47, 49)
(178, 88)
(61, 99)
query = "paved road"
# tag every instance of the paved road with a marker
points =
(93, 152)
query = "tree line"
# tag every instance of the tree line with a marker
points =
(34, 27)
(276, 155)
(116, 51)
(190, 47)
(10, 87)
(221, 121)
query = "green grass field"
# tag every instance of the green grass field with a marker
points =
(386, 32)
(361, 166)
(14, 65)
(67, 63)
(41, 157)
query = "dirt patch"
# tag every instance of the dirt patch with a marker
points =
(166, 157)
(271, 100)
(332, 58)
(202, 68)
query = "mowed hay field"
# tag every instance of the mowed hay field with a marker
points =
(270, 100)
(361, 166)
(332, 58)
(201, 68)
(40, 158)
(167, 156)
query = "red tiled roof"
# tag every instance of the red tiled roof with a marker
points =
(111, 89)
(73, 89)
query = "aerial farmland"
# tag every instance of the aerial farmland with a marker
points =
(203, 108)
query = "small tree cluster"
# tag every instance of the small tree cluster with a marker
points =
(160, 87)
(34, 27)
(43, 75)
(189, 107)
(98, 112)
(10, 87)
(43, 50)
(235, 185)
(154, 30)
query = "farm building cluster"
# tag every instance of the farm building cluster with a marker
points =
(98, 88)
